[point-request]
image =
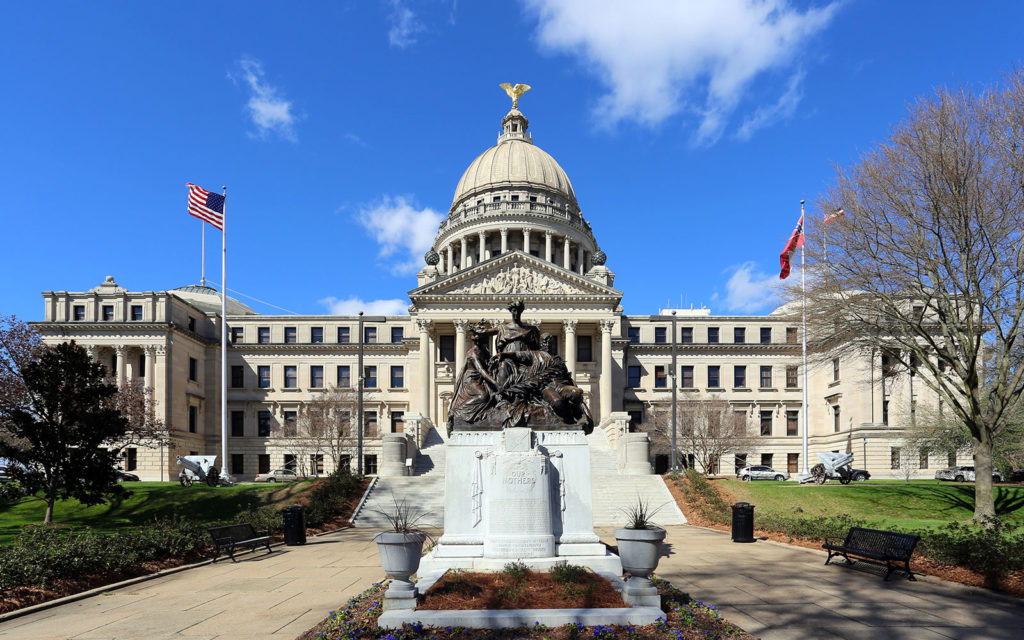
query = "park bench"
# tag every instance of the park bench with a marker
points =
(875, 546)
(232, 536)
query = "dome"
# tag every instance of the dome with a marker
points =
(515, 162)
(207, 300)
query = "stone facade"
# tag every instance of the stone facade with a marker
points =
(514, 230)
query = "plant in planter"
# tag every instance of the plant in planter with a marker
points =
(639, 545)
(400, 551)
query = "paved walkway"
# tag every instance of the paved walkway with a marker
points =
(773, 591)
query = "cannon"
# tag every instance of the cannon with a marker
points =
(832, 465)
(198, 469)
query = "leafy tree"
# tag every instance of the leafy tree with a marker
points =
(58, 434)
(928, 262)
(19, 345)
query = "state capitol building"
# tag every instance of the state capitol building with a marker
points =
(514, 231)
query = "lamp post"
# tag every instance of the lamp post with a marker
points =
(672, 379)
(359, 391)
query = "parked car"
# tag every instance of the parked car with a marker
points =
(278, 475)
(760, 472)
(859, 475)
(124, 476)
(5, 475)
(1017, 475)
(963, 474)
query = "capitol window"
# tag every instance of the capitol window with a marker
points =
(686, 376)
(78, 312)
(291, 377)
(584, 352)
(660, 377)
(108, 313)
(633, 376)
(237, 335)
(344, 336)
(193, 369)
(446, 348)
(397, 377)
(193, 419)
(766, 377)
(686, 335)
(397, 334)
(634, 335)
(714, 377)
(344, 377)
(370, 377)
(739, 335)
(237, 424)
(712, 335)
(370, 335)
(137, 312)
(290, 335)
(316, 335)
(659, 335)
(263, 335)
(316, 376)
(263, 373)
(766, 335)
(263, 425)
(237, 376)
(739, 376)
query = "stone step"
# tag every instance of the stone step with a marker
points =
(613, 493)
(424, 493)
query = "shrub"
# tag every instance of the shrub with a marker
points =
(809, 528)
(40, 555)
(11, 491)
(703, 496)
(328, 499)
(993, 548)
(265, 518)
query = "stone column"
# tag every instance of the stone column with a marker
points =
(565, 254)
(460, 345)
(482, 248)
(606, 367)
(150, 357)
(526, 240)
(424, 377)
(547, 245)
(579, 258)
(590, 264)
(570, 347)
(465, 254)
(122, 361)
(504, 239)
(450, 264)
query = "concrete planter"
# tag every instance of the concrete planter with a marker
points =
(639, 550)
(400, 555)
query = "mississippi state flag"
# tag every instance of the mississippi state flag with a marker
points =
(795, 242)
(832, 217)
(206, 205)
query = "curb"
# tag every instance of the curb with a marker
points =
(49, 604)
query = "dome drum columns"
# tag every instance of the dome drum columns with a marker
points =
(478, 246)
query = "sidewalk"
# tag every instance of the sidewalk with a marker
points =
(773, 591)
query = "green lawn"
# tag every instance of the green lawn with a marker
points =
(148, 500)
(921, 503)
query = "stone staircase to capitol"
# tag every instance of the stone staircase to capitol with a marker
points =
(611, 492)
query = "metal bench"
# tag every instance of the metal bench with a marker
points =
(232, 536)
(875, 546)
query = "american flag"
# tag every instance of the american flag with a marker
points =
(206, 205)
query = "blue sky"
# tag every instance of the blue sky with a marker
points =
(690, 130)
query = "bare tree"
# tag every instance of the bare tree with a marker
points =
(707, 427)
(928, 262)
(326, 423)
(136, 404)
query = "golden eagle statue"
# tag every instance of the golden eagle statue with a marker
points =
(514, 92)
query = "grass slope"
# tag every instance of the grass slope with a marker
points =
(149, 500)
(921, 503)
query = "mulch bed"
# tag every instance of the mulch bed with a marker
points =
(685, 619)
(463, 590)
(1012, 584)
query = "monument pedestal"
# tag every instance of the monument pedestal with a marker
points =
(518, 495)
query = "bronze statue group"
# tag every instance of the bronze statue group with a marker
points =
(523, 384)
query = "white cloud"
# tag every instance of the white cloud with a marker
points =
(660, 57)
(404, 25)
(404, 232)
(269, 112)
(749, 290)
(769, 115)
(352, 306)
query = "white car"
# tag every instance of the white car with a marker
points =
(963, 474)
(761, 472)
(278, 475)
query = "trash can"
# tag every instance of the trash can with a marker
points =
(294, 525)
(743, 522)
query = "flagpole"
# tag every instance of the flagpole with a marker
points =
(803, 298)
(202, 259)
(224, 339)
